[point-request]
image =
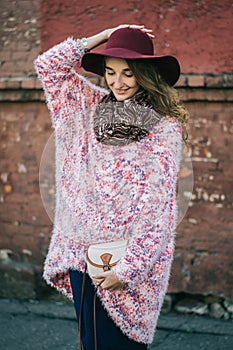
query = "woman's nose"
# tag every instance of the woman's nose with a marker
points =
(118, 82)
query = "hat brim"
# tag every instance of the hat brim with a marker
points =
(168, 66)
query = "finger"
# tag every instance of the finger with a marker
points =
(133, 26)
(148, 31)
(143, 29)
(108, 283)
(105, 285)
(150, 35)
(136, 26)
(98, 281)
(99, 276)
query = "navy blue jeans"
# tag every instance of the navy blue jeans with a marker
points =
(109, 336)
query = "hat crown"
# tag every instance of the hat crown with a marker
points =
(131, 39)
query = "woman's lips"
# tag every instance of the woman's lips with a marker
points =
(121, 92)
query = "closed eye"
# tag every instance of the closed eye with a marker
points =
(129, 75)
(127, 72)
(110, 72)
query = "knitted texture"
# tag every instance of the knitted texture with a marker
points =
(106, 193)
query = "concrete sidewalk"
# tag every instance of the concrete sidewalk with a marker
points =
(52, 326)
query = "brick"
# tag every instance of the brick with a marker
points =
(38, 84)
(23, 45)
(28, 83)
(5, 55)
(13, 84)
(229, 80)
(203, 94)
(6, 69)
(3, 84)
(18, 55)
(22, 95)
(9, 96)
(196, 80)
(214, 81)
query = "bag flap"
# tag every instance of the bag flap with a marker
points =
(111, 251)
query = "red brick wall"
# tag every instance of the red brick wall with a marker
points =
(19, 37)
(24, 225)
(198, 33)
(203, 260)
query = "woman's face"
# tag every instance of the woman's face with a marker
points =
(120, 79)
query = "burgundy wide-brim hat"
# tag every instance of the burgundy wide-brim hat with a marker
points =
(129, 43)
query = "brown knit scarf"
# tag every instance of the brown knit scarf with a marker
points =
(120, 123)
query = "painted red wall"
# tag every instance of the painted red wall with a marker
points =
(196, 31)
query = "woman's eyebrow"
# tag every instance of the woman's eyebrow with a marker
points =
(108, 67)
(125, 69)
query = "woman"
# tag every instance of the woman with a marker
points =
(117, 158)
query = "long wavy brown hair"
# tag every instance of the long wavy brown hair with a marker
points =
(164, 98)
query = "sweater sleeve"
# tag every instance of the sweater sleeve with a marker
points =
(153, 233)
(62, 85)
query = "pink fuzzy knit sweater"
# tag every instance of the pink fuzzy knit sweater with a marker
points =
(105, 193)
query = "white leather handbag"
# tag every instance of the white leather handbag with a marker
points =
(102, 257)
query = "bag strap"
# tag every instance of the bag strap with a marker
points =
(81, 313)
(81, 308)
(94, 320)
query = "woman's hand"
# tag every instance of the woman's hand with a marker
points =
(108, 280)
(133, 26)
